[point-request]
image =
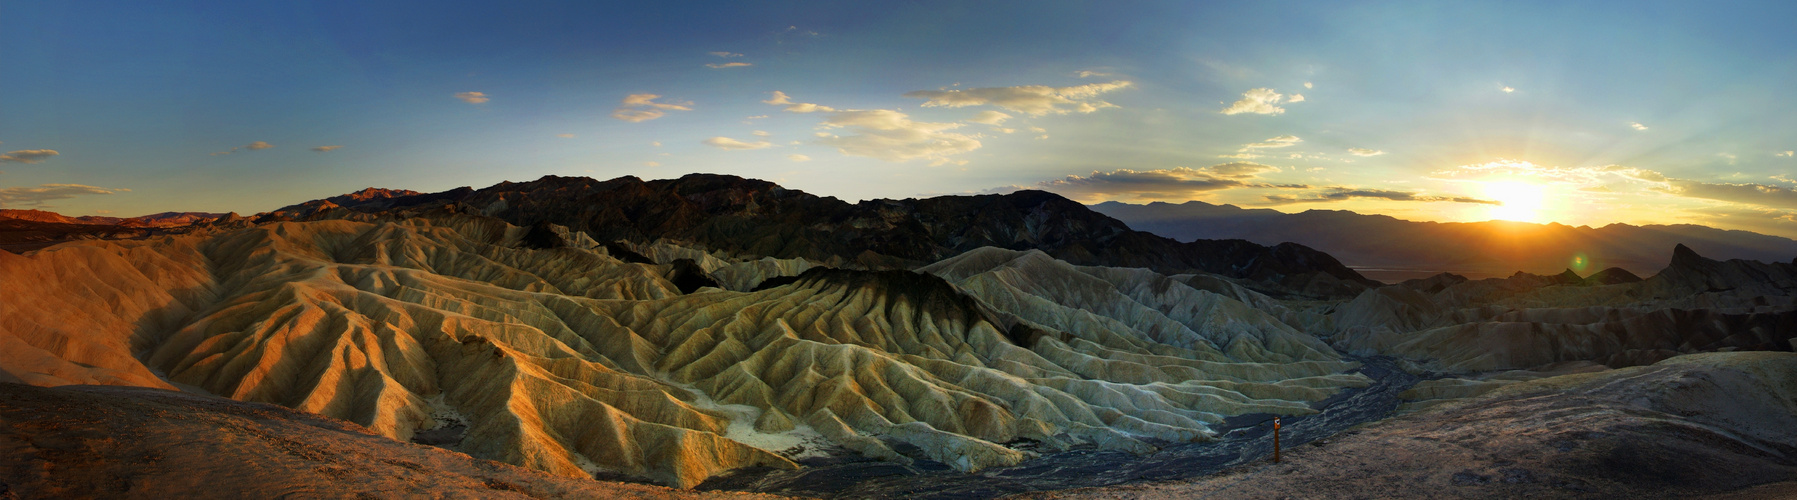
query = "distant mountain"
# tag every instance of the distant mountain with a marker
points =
(165, 219)
(26, 230)
(754, 217)
(1378, 244)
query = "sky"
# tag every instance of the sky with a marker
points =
(1583, 113)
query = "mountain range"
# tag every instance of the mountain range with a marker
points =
(716, 332)
(1393, 249)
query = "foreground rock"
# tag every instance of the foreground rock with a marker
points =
(125, 442)
(1692, 425)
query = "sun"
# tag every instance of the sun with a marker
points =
(1522, 201)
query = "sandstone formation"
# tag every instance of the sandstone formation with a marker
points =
(552, 353)
(126, 442)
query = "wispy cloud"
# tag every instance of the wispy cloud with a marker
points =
(1276, 142)
(1090, 74)
(1295, 98)
(254, 146)
(1787, 154)
(472, 97)
(1173, 184)
(1260, 101)
(989, 117)
(725, 54)
(1508, 89)
(1033, 100)
(1364, 152)
(565, 136)
(1753, 194)
(326, 149)
(1637, 126)
(728, 65)
(781, 99)
(892, 136)
(37, 196)
(28, 155)
(728, 144)
(1307, 85)
(642, 107)
(798, 157)
(1339, 193)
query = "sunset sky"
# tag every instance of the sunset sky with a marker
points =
(1586, 114)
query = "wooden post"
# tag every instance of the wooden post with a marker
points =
(1275, 439)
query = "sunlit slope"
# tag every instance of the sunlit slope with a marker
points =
(567, 357)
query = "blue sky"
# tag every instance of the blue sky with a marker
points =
(1591, 113)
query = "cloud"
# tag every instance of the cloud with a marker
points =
(1260, 101)
(642, 107)
(1787, 154)
(1296, 98)
(1508, 89)
(781, 99)
(728, 65)
(565, 136)
(652, 164)
(725, 54)
(1578, 176)
(1338, 193)
(1242, 156)
(989, 117)
(472, 97)
(1090, 74)
(1307, 85)
(1637, 126)
(326, 149)
(1179, 183)
(1364, 152)
(37, 196)
(258, 145)
(28, 155)
(1033, 100)
(892, 136)
(1752, 194)
(1276, 142)
(728, 144)
(798, 157)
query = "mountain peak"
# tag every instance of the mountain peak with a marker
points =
(1684, 256)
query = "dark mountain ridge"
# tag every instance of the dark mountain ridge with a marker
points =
(758, 218)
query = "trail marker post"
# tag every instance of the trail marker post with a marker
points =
(1275, 439)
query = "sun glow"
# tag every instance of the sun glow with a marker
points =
(1522, 201)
